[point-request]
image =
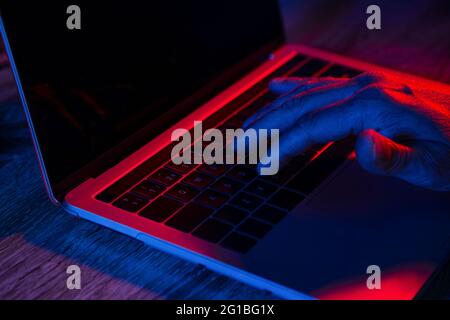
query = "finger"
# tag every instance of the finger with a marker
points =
(294, 108)
(375, 152)
(380, 155)
(296, 86)
(285, 85)
(331, 123)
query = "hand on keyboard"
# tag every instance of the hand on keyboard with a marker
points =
(229, 205)
(402, 131)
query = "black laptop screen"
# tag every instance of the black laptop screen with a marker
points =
(89, 90)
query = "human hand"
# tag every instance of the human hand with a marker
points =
(402, 131)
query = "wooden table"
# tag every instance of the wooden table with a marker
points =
(38, 241)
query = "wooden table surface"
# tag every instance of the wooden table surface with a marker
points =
(38, 241)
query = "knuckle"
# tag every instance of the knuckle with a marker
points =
(374, 91)
(311, 118)
(407, 89)
(294, 103)
(304, 122)
(306, 125)
(311, 123)
(309, 86)
(369, 78)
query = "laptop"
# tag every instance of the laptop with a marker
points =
(102, 103)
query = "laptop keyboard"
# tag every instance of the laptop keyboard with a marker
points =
(230, 204)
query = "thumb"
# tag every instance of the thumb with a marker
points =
(380, 155)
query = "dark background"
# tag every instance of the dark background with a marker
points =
(413, 38)
(39, 241)
(126, 70)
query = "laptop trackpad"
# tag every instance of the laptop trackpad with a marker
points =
(357, 220)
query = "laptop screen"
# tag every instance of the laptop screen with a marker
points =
(130, 65)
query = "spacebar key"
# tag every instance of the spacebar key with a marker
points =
(189, 217)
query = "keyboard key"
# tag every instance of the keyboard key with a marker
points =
(309, 69)
(246, 201)
(160, 209)
(119, 187)
(165, 177)
(130, 202)
(198, 180)
(268, 97)
(180, 168)
(261, 188)
(212, 199)
(286, 199)
(251, 166)
(341, 72)
(188, 218)
(213, 170)
(254, 228)
(301, 160)
(227, 186)
(238, 242)
(241, 173)
(253, 91)
(148, 189)
(256, 105)
(234, 122)
(136, 175)
(107, 195)
(212, 230)
(182, 192)
(251, 109)
(231, 214)
(269, 214)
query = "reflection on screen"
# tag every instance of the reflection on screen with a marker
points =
(132, 61)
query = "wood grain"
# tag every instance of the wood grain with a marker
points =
(38, 241)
